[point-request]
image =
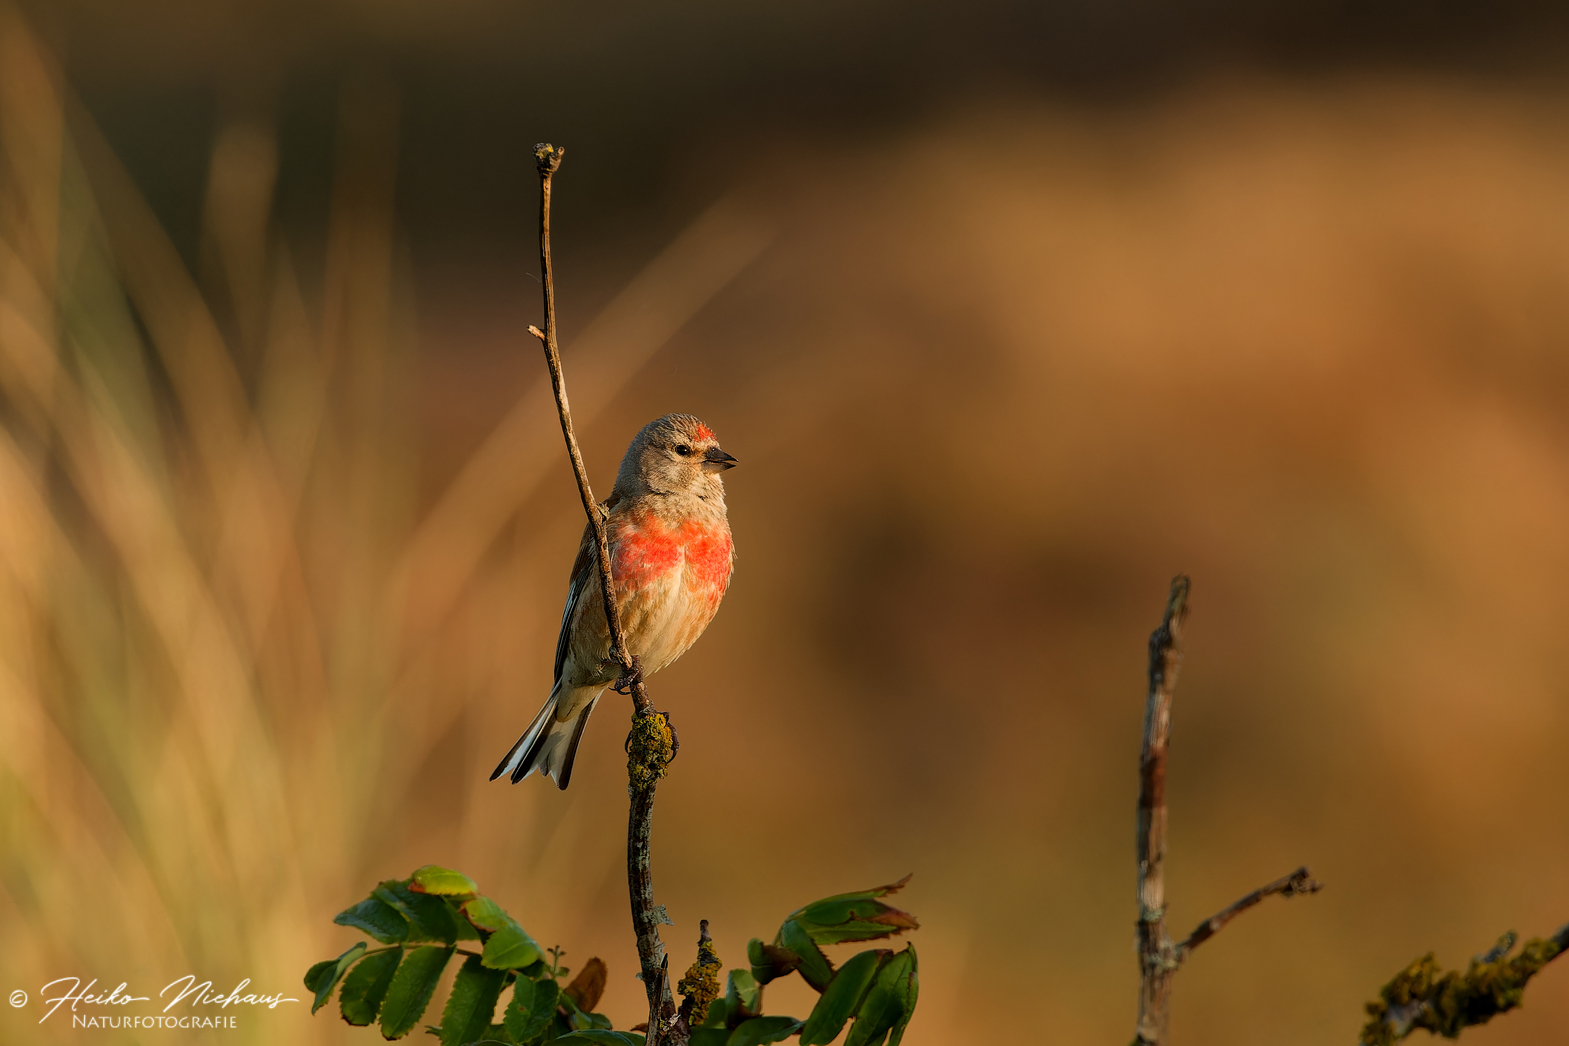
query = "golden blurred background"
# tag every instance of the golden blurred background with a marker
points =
(1009, 314)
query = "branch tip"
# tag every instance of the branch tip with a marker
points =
(547, 158)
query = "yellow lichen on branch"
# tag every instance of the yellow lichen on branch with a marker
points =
(1420, 996)
(700, 987)
(650, 748)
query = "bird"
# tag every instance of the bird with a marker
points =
(671, 559)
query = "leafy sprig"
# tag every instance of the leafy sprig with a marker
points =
(424, 921)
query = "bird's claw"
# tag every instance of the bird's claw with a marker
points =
(630, 677)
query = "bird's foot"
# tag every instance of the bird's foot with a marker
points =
(630, 677)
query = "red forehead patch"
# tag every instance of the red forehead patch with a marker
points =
(702, 432)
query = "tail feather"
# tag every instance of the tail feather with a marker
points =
(556, 760)
(548, 745)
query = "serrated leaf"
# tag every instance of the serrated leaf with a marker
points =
(429, 917)
(770, 961)
(743, 997)
(377, 918)
(841, 998)
(509, 947)
(601, 1038)
(906, 985)
(473, 1000)
(857, 916)
(532, 1008)
(878, 1012)
(889, 1003)
(814, 967)
(411, 989)
(434, 879)
(359, 1000)
(323, 977)
(761, 1030)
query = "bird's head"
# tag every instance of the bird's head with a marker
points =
(675, 454)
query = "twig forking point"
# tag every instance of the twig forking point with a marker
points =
(1159, 956)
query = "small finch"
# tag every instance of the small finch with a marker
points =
(670, 563)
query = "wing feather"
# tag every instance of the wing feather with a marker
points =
(584, 568)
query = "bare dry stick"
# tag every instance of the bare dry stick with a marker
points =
(1298, 882)
(1159, 956)
(650, 746)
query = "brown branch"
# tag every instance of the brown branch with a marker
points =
(650, 745)
(1445, 1004)
(1298, 882)
(1159, 957)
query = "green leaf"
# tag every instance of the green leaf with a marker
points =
(473, 1000)
(815, 967)
(904, 984)
(709, 1037)
(509, 947)
(770, 961)
(411, 989)
(841, 998)
(587, 1021)
(442, 881)
(889, 1002)
(855, 916)
(429, 917)
(323, 977)
(532, 1008)
(537, 970)
(366, 986)
(715, 1018)
(377, 918)
(602, 1038)
(743, 997)
(761, 1030)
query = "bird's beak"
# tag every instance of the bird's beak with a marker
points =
(716, 460)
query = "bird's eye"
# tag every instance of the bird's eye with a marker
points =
(684, 450)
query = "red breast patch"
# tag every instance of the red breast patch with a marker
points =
(646, 549)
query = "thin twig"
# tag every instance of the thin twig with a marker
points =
(548, 158)
(1159, 957)
(1298, 882)
(649, 727)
